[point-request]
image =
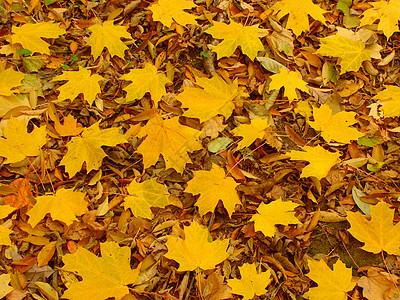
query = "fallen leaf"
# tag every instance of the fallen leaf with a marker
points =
(5, 236)
(332, 284)
(214, 287)
(251, 283)
(213, 186)
(168, 11)
(290, 80)
(378, 234)
(251, 132)
(103, 277)
(213, 127)
(70, 127)
(10, 79)
(275, 212)
(5, 288)
(335, 126)
(379, 285)
(388, 99)
(17, 143)
(321, 160)
(79, 82)
(63, 206)
(5, 210)
(22, 195)
(235, 35)
(196, 250)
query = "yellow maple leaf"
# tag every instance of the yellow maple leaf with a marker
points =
(275, 212)
(335, 127)
(213, 186)
(352, 53)
(87, 148)
(168, 11)
(8, 103)
(251, 283)
(17, 143)
(5, 288)
(214, 97)
(234, 35)
(298, 14)
(79, 82)
(9, 79)
(5, 236)
(169, 138)
(69, 128)
(389, 99)
(144, 195)
(145, 80)
(195, 251)
(5, 210)
(29, 35)
(321, 160)
(290, 80)
(332, 284)
(63, 206)
(387, 12)
(108, 35)
(378, 234)
(103, 277)
(251, 132)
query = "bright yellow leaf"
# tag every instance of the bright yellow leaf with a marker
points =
(168, 11)
(386, 12)
(214, 97)
(251, 132)
(87, 148)
(29, 35)
(335, 127)
(378, 234)
(17, 143)
(145, 80)
(213, 186)
(63, 206)
(5, 236)
(79, 82)
(251, 283)
(389, 98)
(234, 35)
(298, 14)
(195, 251)
(275, 212)
(108, 35)
(321, 160)
(144, 195)
(70, 127)
(5, 288)
(290, 80)
(169, 138)
(8, 103)
(352, 53)
(332, 284)
(103, 277)
(5, 210)
(9, 79)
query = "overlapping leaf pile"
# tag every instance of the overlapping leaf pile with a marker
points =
(199, 149)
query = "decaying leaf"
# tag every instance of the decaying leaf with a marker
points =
(196, 250)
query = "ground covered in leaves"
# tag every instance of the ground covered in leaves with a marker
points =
(201, 149)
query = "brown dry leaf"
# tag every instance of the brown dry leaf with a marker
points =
(379, 285)
(213, 127)
(214, 288)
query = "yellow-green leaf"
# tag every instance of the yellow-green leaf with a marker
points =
(335, 127)
(275, 212)
(9, 79)
(17, 143)
(290, 80)
(352, 53)
(108, 35)
(29, 35)
(378, 234)
(103, 277)
(251, 132)
(321, 160)
(145, 80)
(298, 14)
(168, 11)
(79, 82)
(332, 284)
(213, 186)
(87, 148)
(63, 206)
(234, 35)
(251, 283)
(196, 250)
